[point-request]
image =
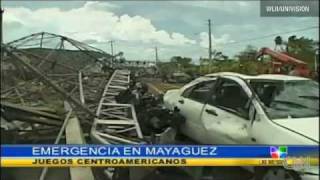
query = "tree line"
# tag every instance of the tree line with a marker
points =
(245, 61)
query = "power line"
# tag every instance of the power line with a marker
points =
(271, 35)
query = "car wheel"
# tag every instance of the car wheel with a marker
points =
(276, 174)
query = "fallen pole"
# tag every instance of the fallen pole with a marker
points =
(22, 113)
(62, 129)
(81, 88)
(29, 110)
(74, 135)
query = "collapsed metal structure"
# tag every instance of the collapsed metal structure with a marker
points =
(39, 73)
(53, 42)
(49, 65)
(116, 123)
(48, 69)
(52, 86)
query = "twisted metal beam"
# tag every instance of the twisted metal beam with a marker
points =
(116, 123)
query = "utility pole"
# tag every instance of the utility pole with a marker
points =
(316, 60)
(156, 51)
(111, 44)
(41, 40)
(1, 29)
(210, 45)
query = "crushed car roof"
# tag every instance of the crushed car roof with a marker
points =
(262, 76)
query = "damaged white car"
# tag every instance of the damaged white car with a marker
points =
(231, 108)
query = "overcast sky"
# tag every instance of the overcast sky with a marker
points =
(175, 27)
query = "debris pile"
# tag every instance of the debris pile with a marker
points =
(37, 80)
(52, 95)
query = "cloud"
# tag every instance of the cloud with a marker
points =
(90, 41)
(93, 22)
(13, 25)
(98, 5)
(135, 27)
(217, 42)
(224, 6)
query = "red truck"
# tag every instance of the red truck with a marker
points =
(280, 61)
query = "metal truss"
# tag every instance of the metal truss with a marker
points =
(116, 123)
(50, 72)
(23, 60)
(52, 41)
(69, 64)
(118, 82)
(47, 58)
(51, 44)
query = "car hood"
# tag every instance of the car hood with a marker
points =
(308, 127)
(170, 98)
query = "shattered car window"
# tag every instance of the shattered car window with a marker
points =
(289, 99)
(200, 91)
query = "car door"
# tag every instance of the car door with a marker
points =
(190, 105)
(226, 115)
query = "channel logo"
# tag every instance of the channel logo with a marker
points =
(277, 152)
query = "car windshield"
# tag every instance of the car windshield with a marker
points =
(288, 99)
